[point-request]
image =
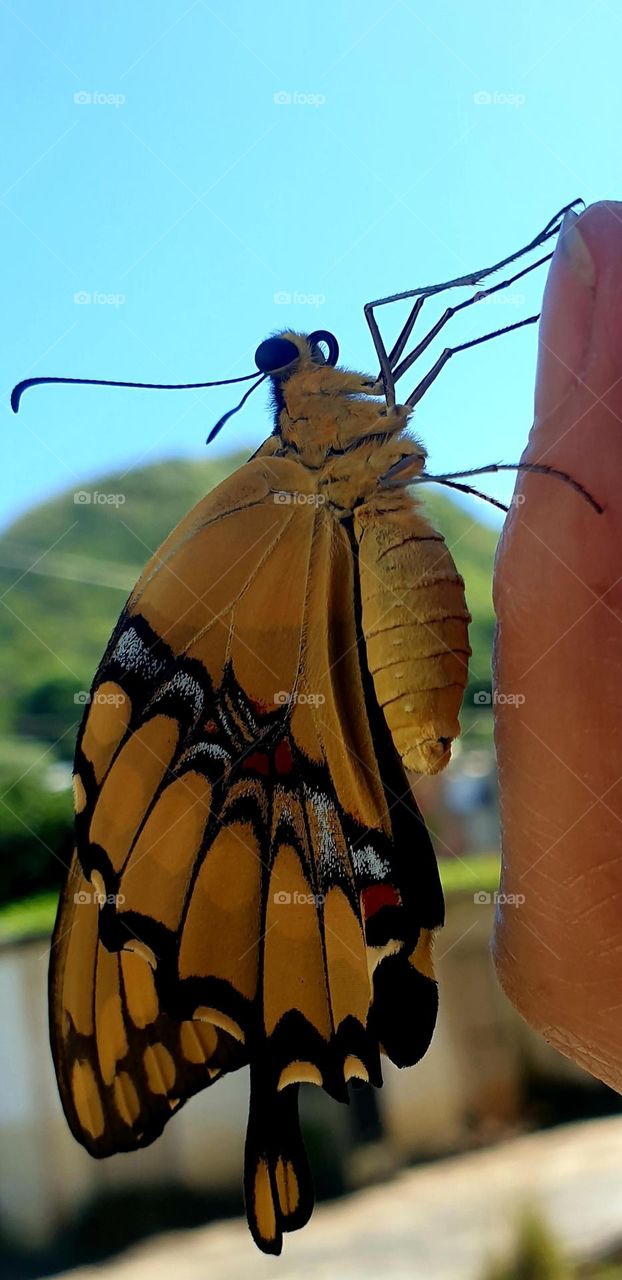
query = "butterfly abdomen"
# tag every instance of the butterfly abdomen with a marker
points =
(415, 624)
(414, 617)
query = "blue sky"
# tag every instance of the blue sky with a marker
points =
(187, 198)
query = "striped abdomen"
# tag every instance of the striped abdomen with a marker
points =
(415, 625)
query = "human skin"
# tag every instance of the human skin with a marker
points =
(558, 597)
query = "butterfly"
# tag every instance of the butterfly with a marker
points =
(252, 882)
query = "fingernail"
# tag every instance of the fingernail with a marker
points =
(566, 318)
(574, 249)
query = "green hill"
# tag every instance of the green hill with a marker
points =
(66, 568)
(85, 558)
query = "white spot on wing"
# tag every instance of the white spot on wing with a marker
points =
(132, 653)
(327, 820)
(210, 749)
(184, 686)
(367, 862)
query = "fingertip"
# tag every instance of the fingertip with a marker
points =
(566, 317)
(581, 301)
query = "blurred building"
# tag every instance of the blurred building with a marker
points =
(460, 804)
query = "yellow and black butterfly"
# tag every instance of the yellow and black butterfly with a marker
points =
(252, 880)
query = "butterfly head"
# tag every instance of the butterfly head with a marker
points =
(320, 409)
(306, 363)
(289, 353)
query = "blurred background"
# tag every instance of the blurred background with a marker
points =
(179, 180)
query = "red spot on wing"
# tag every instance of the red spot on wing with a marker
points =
(259, 761)
(378, 896)
(283, 758)
(210, 726)
(260, 707)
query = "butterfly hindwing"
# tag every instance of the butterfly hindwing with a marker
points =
(278, 1187)
(253, 881)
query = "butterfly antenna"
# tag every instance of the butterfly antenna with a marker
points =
(21, 387)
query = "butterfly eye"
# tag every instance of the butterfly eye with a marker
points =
(323, 339)
(275, 354)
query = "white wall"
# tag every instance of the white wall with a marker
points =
(470, 1079)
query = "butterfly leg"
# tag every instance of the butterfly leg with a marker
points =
(397, 370)
(390, 371)
(389, 361)
(475, 277)
(446, 355)
(383, 356)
